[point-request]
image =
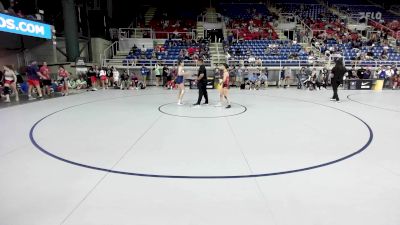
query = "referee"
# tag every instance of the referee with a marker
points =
(202, 83)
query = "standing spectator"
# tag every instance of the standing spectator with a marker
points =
(109, 76)
(115, 78)
(10, 80)
(92, 78)
(338, 72)
(157, 72)
(166, 75)
(144, 72)
(33, 79)
(46, 81)
(283, 79)
(103, 78)
(63, 76)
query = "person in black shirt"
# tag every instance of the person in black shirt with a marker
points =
(338, 72)
(166, 75)
(202, 83)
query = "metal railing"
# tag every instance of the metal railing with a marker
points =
(134, 32)
(308, 62)
(390, 32)
(150, 33)
(109, 52)
(150, 62)
(173, 35)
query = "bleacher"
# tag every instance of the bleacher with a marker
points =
(312, 11)
(245, 11)
(281, 54)
(356, 9)
(248, 21)
(178, 20)
(350, 53)
(169, 53)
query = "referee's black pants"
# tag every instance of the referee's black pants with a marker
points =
(335, 85)
(202, 92)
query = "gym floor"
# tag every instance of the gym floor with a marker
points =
(278, 156)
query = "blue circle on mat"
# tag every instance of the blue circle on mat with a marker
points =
(358, 151)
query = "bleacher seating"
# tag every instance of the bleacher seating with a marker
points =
(244, 11)
(356, 9)
(178, 20)
(282, 51)
(248, 21)
(313, 11)
(170, 51)
(350, 53)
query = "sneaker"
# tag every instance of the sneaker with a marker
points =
(205, 103)
(94, 89)
(180, 103)
(30, 98)
(7, 101)
(332, 99)
(338, 101)
(228, 107)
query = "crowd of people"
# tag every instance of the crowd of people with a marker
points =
(15, 8)
(41, 83)
(188, 50)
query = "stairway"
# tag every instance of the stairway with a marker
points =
(149, 15)
(200, 30)
(217, 54)
(211, 16)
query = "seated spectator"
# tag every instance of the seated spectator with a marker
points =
(361, 73)
(252, 60)
(384, 55)
(396, 81)
(258, 62)
(252, 80)
(382, 72)
(367, 74)
(352, 74)
(80, 83)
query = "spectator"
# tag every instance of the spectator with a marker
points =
(253, 81)
(2, 9)
(144, 71)
(165, 74)
(124, 81)
(361, 73)
(384, 55)
(396, 81)
(252, 60)
(46, 81)
(33, 79)
(157, 72)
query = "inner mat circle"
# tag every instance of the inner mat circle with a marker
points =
(202, 111)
